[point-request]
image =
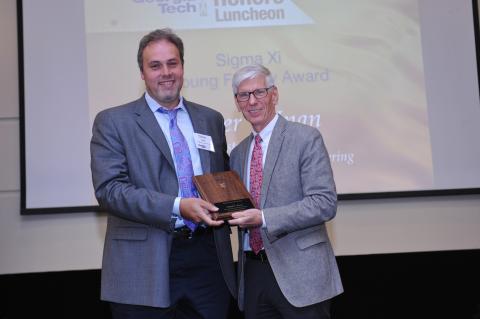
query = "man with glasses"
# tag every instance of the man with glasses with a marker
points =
(287, 267)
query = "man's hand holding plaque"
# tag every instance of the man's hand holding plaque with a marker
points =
(226, 191)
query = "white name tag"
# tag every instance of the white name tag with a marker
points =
(204, 142)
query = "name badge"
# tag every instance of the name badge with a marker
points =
(203, 142)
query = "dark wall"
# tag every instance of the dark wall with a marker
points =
(414, 285)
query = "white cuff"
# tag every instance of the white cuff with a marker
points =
(264, 225)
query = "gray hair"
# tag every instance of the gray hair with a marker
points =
(250, 72)
(158, 35)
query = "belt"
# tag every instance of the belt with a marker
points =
(186, 233)
(261, 256)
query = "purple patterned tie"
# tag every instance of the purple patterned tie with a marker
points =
(183, 161)
(256, 177)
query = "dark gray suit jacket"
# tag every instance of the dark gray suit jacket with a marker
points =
(298, 196)
(135, 182)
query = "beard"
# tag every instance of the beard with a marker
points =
(166, 97)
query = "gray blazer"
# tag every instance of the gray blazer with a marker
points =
(298, 196)
(135, 182)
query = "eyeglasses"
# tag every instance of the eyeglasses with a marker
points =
(258, 94)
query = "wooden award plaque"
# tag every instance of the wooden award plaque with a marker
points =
(224, 190)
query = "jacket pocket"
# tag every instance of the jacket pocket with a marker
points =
(311, 238)
(130, 233)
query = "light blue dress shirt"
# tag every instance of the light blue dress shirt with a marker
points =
(185, 124)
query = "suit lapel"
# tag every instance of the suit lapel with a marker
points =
(244, 151)
(244, 147)
(199, 126)
(147, 122)
(274, 147)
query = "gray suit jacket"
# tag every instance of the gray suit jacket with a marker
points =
(298, 196)
(135, 182)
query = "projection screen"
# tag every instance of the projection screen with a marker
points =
(391, 84)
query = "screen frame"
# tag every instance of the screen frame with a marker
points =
(95, 208)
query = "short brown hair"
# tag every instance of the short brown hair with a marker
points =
(157, 35)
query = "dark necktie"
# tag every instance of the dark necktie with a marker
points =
(256, 177)
(183, 161)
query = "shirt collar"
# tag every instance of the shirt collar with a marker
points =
(267, 130)
(154, 105)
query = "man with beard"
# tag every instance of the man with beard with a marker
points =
(164, 256)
